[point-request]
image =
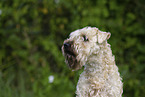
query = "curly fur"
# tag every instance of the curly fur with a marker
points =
(88, 47)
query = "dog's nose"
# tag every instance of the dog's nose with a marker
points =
(66, 45)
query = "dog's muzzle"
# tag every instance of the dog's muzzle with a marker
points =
(70, 55)
(68, 49)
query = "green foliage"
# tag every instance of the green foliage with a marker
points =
(32, 33)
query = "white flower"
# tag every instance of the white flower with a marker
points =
(50, 79)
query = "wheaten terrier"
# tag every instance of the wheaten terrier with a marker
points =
(88, 47)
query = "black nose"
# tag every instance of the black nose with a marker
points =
(66, 45)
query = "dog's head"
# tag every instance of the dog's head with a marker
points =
(81, 44)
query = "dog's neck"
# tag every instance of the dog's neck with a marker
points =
(100, 61)
(94, 65)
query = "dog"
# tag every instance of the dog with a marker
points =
(88, 47)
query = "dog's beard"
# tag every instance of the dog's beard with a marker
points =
(70, 59)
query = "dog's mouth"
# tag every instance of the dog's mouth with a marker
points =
(71, 59)
(70, 53)
(70, 56)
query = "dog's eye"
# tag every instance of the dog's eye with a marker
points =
(85, 38)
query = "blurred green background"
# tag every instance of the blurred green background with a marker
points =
(32, 33)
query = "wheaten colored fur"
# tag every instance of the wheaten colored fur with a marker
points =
(88, 47)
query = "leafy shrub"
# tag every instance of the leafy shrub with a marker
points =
(32, 32)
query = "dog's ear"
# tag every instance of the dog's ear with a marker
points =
(102, 36)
